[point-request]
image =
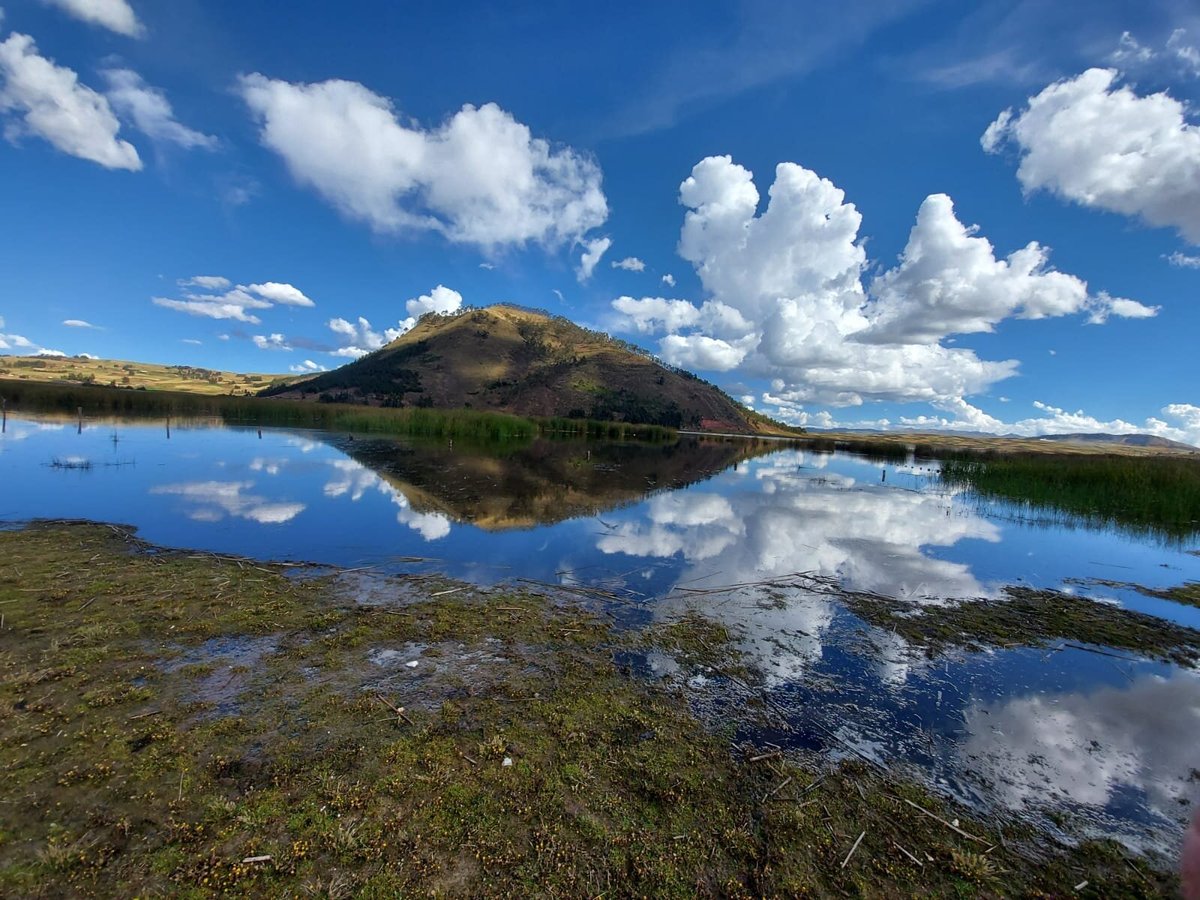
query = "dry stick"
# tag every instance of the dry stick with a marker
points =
(451, 591)
(86, 605)
(763, 756)
(777, 789)
(852, 849)
(153, 712)
(938, 818)
(398, 710)
(909, 855)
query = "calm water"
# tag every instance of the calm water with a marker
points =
(1116, 741)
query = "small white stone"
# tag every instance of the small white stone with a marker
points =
(507, 761)
(413, 664)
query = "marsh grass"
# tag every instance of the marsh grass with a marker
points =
(479, 426)
(1155, 494)
(127, 779)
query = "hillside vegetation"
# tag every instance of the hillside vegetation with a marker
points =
(528, 363)
(123, 373)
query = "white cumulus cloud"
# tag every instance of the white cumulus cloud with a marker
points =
(149, 111)
(359, 338)
(115, 15)
(1103, 146)
(307, 367)
(592, 251)
(949, 281)
(48, 100)
(669, 280)
(78, 323)
(479, 178)
(630, 264)
(283, 294)
(787, 302)
(275, 341)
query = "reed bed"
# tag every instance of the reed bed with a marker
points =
(465, 424)
(1159, 494)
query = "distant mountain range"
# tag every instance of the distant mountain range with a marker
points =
(1131, 440)
(511, 359)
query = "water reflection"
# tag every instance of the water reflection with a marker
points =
(869, 536)
(543, 482)
(353, 480)
(1089, 747)
(211, 501)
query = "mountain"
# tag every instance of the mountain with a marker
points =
(1130, 440)
(511, 359)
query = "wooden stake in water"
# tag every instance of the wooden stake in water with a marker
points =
(3, 415)
(80, 411)
(168, 428)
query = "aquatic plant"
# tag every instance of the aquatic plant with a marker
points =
(1153, 494)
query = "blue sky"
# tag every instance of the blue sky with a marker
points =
(876, 214)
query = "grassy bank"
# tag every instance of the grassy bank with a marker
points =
(1153, 493)
(186, 724)
(481, 426)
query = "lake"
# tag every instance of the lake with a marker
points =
(757, 535)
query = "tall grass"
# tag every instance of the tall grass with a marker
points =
(1159, 494)
(466, 424)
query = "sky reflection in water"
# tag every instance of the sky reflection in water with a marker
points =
(1033, 730)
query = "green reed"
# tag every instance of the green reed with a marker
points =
(1160, 494)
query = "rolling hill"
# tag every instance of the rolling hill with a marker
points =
(515, 360)
(128, 374)
(1128, 440)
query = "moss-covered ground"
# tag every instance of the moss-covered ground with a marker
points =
(1029, 617)
(183, 724)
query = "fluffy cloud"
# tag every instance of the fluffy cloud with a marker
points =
(479, 178)
(21, 345)
(630, 264)
(235, 302)
(283, 294)
(115, 15)
(1179, 422)
(1105, 147)
(78, 323)
(359, 338)
(949, 281)
(592, 251)
(47, 100)
(148, 110)
(308, 367)
(274, 341)
(787, 300)
(441, 300)
(669, 280)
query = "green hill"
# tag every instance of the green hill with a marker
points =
(511, 359)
